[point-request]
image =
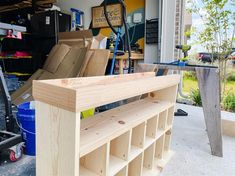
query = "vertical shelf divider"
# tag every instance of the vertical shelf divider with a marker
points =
(138, 135)
(159, 148)
(149, 157)
(135, 167)
(151, 129)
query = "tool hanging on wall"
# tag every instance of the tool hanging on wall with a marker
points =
(118, 35)
(77, 19)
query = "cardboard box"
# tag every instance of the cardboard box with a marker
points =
(24, 93)
(56, 56)
(76, 38)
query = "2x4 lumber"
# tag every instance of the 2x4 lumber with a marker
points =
(78, 99)
(57, 141)
(106, 127)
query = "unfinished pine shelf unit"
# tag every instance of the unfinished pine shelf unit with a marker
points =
(129, 140)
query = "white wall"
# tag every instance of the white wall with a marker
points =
(83, 5)
(168, 31)
(151, 11)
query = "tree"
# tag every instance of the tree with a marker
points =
(218, 31)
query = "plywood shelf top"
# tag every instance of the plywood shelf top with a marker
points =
(79, 94)
(104, 127)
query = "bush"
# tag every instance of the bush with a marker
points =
(231, 77)
(229, 102)
(190, 75)
(196, 97)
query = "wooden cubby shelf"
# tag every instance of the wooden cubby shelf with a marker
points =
(130, 140)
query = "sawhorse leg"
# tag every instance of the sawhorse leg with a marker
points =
(209, 85)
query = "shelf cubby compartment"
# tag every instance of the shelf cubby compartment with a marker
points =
(167, 141)
(137, 140)
(123, 172)
(138, 135)
(170, 116)
(95, 163)
(162, 121)
(119, 151)
(135, 167)
(159, 147)
(149, 157)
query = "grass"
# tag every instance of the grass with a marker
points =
(190, 84)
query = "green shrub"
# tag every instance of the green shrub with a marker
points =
(190, 75)
(231, 77)
(229, 102)
(196, 97)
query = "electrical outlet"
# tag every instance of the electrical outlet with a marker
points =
(137, 18)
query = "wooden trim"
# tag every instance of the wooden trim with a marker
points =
(70, 95)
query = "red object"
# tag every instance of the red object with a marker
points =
(21, 54)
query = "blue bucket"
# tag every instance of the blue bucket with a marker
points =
(26, 119)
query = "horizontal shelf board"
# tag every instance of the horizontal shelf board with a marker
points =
(148, 142)
(116, 164)
(104, 127)
(86, 172)
(134, 152)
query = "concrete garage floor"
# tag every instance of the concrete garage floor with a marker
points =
(192, 151)
(190, 143)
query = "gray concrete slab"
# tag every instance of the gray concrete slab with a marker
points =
(192, 150)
